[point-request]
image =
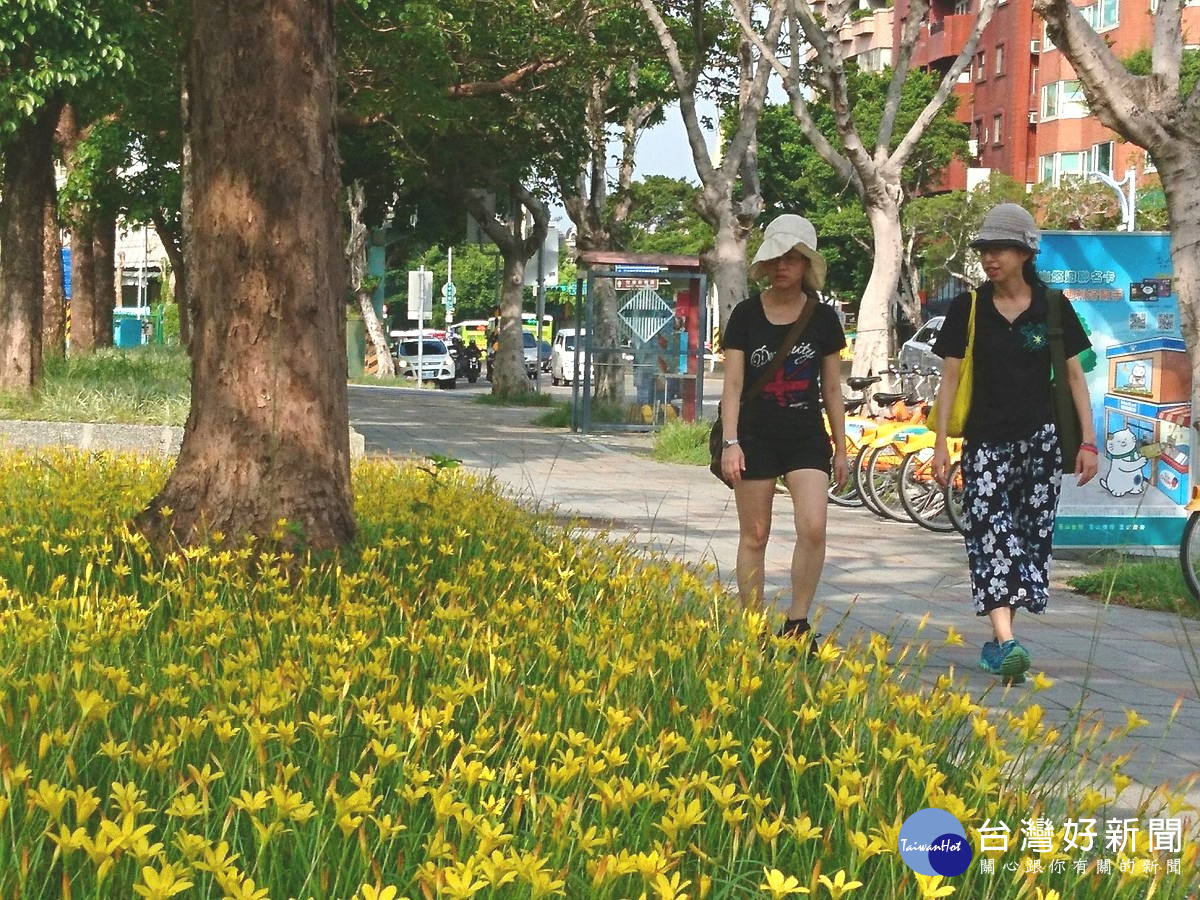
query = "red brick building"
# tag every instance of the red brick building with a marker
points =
(1027, 113)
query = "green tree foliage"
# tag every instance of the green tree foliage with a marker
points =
(50, 47)
(664, 219)
(796, 179)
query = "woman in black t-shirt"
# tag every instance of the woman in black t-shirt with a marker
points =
(780, 433)
(1011, 460)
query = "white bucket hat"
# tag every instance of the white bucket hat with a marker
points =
(791, 232)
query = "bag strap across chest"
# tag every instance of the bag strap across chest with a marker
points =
(789, 341)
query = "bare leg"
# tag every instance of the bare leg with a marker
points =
(754, 500)
(810, 507)
(1001, 618)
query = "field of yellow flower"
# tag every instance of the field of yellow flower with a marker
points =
(474, 701)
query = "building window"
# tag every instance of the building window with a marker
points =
(1057, 166)
(1072, 104)
(1050, 101)
(1149, 165)
(1102, 158)
(998, 128)
(980, 65)
(1106, 14)
(999, 59)
(1064, 100)
(1047, 44)
(962, 7)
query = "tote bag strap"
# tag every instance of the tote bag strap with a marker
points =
(789, 341)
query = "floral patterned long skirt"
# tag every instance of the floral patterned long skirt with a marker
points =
(1010, 496)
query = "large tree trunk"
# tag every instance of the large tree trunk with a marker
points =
(508, 234)
(173, 245)
(81, 327)
(876, 315)
(22, 227)
(1181, 182)
(267, 438)
(725, 261)
(508, 370)
(356, 259)
(54, 301)
(104, 257)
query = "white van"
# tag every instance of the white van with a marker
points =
(562, 355)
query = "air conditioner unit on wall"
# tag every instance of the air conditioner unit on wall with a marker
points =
(1033, 117)
(1035, 47)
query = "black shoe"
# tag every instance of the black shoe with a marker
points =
(800, 630)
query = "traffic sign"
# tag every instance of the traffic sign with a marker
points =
(449, 291)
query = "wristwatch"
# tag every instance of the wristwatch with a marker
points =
(729, 442)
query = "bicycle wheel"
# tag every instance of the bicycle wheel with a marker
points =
(861, 467)
(954, 497)
(1189, 554)
(883, 483)
(848, 494)
(923, 499)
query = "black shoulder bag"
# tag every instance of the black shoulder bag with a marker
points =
(716, 437)
(1066, 416)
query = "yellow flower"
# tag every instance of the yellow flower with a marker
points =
(780, 885)
(1041, 682)
(160, 885)
(246, 890)
(932, 887)
(839, 885)
(370, 892)
(670, 888)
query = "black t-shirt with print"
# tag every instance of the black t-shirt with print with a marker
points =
(1011, 396)
(791, 401)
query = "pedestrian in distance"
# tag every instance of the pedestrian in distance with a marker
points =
(1012, 461)
(780, 432)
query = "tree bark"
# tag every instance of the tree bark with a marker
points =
(104, 257)
(22, 229)
(81, 311)
(267, 438)
(54, 301)
(356, 259)
(516, 248)
(731, 219)
(172, 243)
(874, 171)
(876, 318)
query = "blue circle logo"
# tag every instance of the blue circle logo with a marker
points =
(933, 842)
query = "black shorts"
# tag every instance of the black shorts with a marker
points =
(769, 456)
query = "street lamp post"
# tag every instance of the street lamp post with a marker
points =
(1128, 202)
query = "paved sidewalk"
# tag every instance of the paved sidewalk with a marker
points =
(879, 576)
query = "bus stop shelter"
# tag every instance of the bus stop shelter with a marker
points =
(654, 356)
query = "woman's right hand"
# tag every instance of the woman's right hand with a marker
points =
(733, 463)
(941, 463)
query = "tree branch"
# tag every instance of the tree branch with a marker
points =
(512, 83)
(905, 148)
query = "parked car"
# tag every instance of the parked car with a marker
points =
(917, 351)
(562, 355)
(530, 349)
(431, 354)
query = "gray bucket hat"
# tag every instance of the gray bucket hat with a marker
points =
(791, 232)
(1008, 225)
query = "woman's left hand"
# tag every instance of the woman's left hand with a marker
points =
(1087, 464)
(841, 469)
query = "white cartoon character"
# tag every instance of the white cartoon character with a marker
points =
(1137, 377)
(1125, 474)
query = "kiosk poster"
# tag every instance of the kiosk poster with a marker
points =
(1139, 379)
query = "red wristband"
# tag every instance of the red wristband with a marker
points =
(1089, 447)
